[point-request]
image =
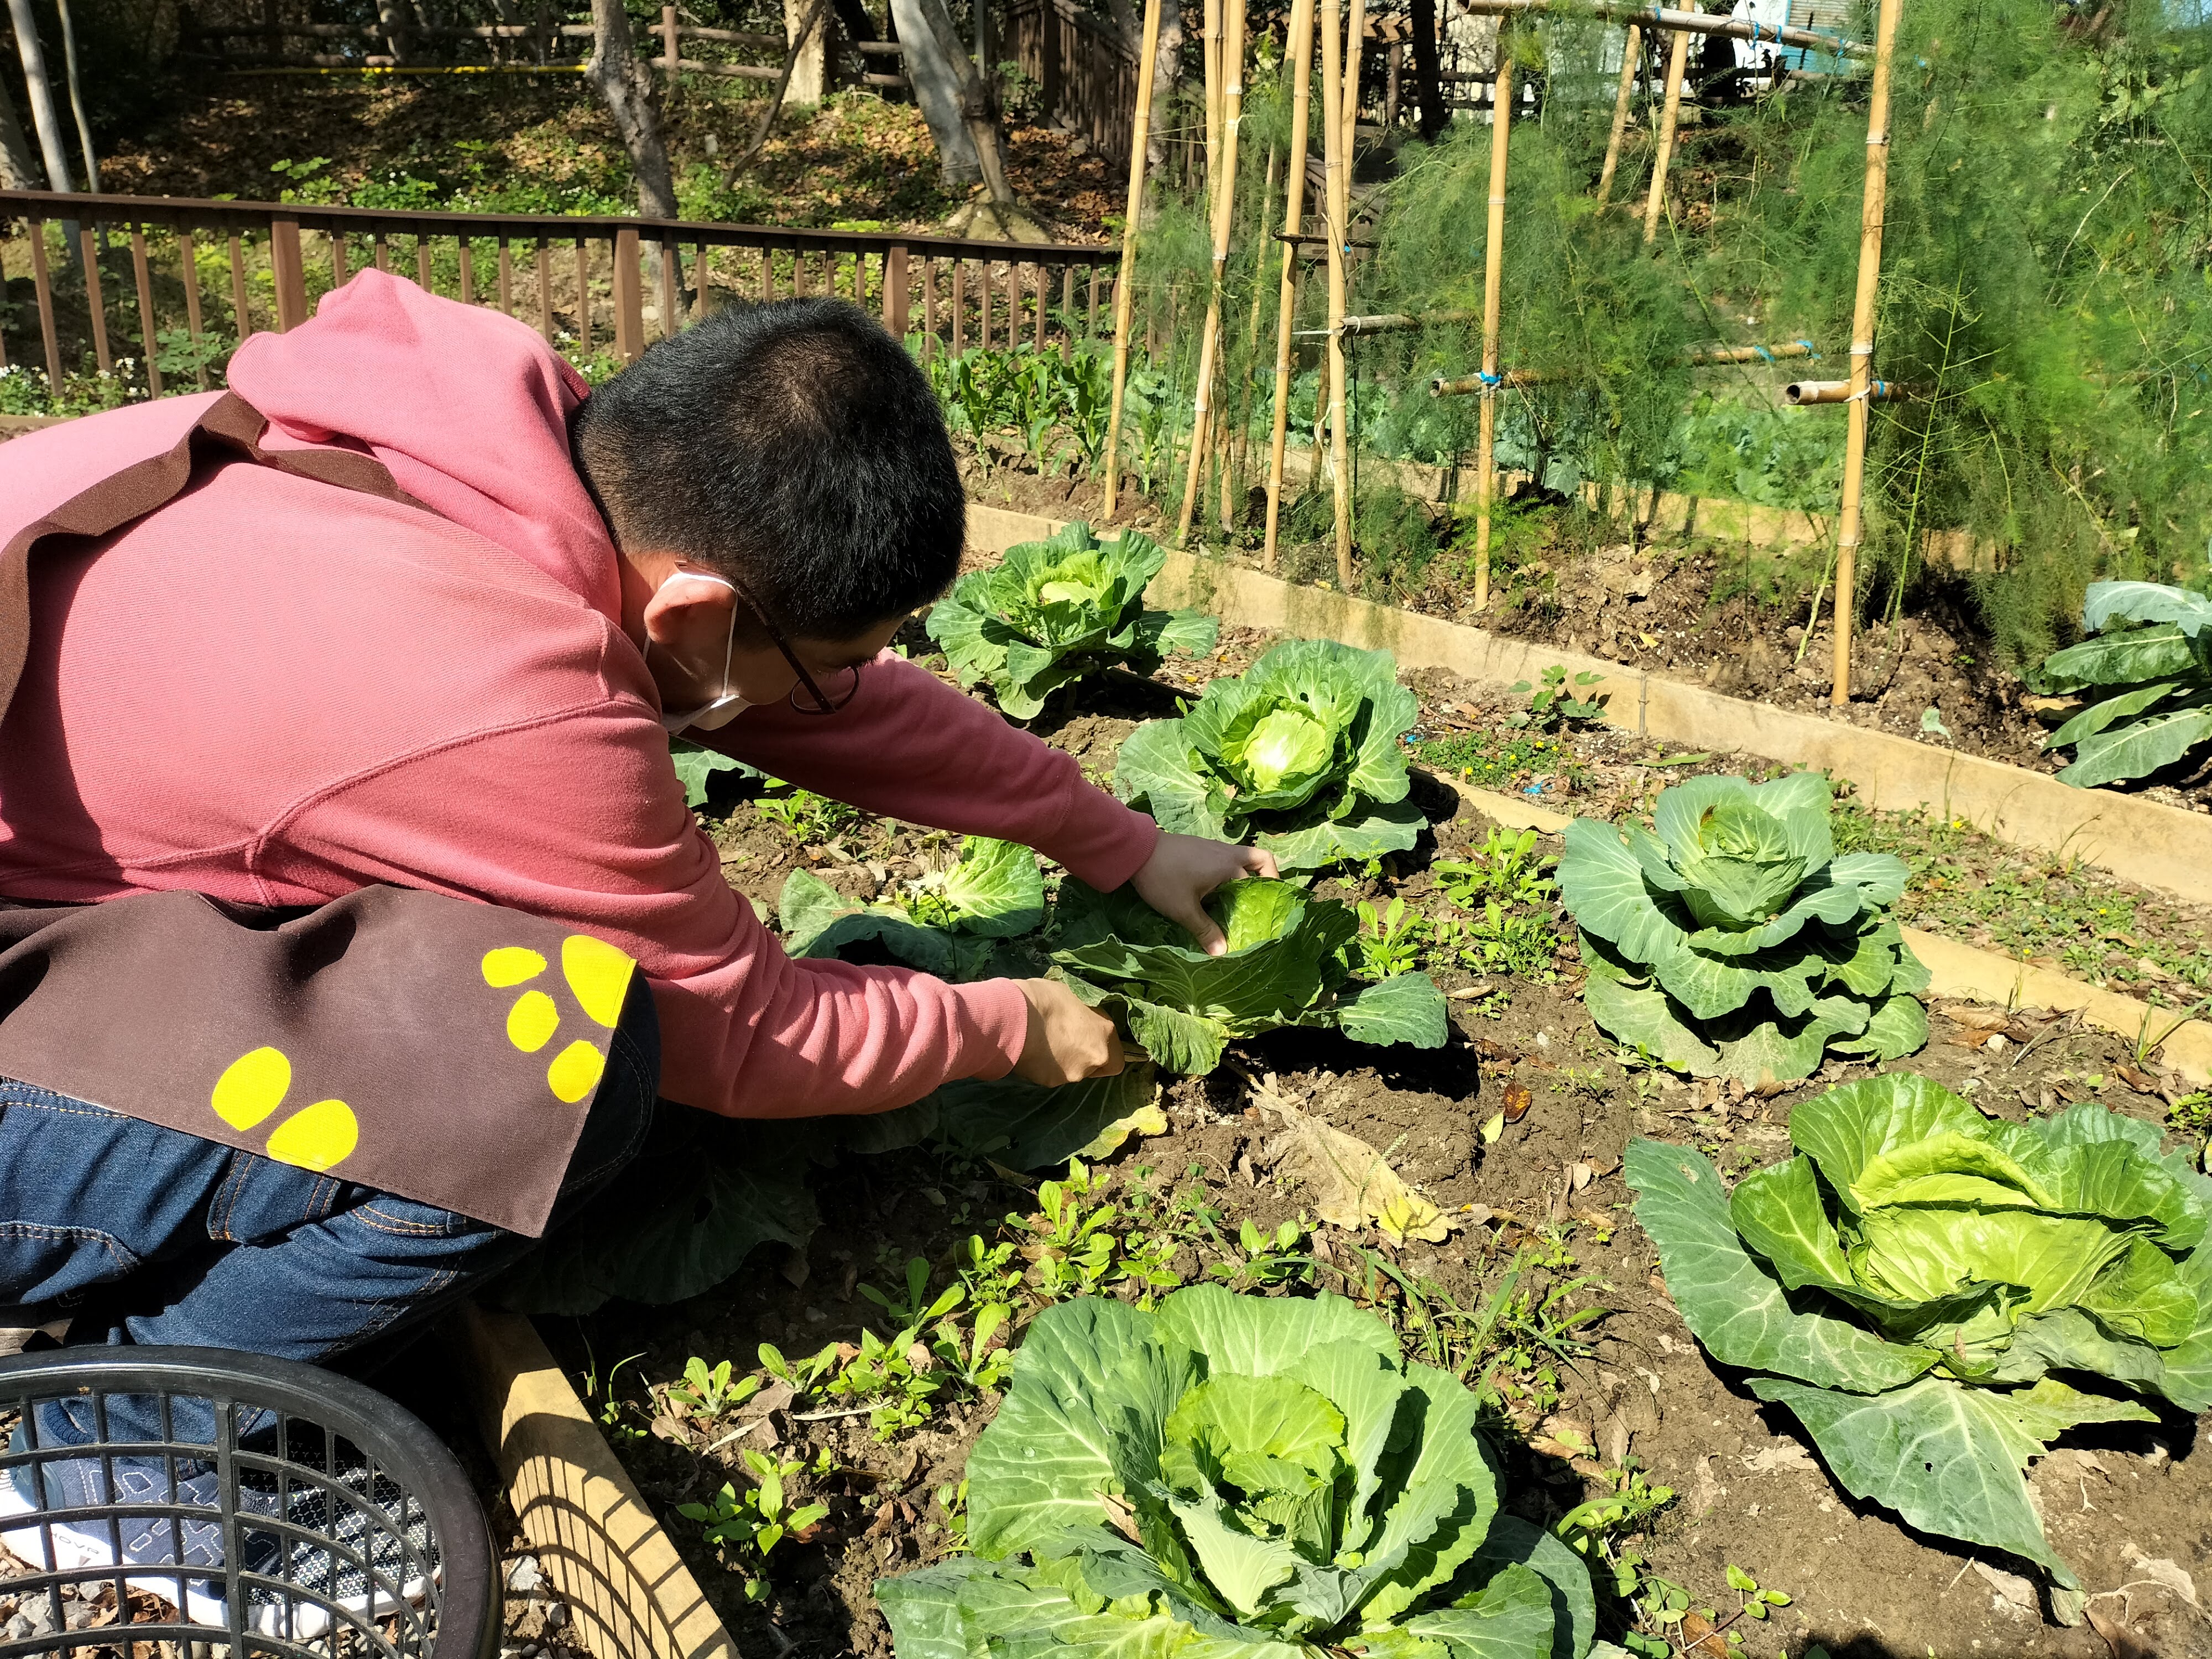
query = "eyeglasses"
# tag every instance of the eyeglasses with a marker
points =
(816, 701)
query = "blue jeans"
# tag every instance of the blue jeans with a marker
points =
(148, 1235)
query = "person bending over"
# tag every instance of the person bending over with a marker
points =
(407, 610)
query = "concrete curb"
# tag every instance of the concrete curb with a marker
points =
(1961, 971)
(597, 1541)
(2150, 844)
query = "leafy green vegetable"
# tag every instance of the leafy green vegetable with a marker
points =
(1055, 610)
(1237, 1478)
(1302, 753)
(1734, 942)
(2150, 675)
(1285, 966)
(1910, 1283)
(695, 765)
(944, 924)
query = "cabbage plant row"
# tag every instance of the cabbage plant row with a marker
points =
(1237, 1477)
(2146, 677)
(1937, 1296)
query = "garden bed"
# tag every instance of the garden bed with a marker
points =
(1515, 1131)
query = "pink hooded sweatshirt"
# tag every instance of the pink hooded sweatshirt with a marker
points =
(275, 691)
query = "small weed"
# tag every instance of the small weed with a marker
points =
(803, 815)
(707, 1392)
(1390, 940)
(754, 1524)
(1556, 702)
(1493, 759)
(1507, 868)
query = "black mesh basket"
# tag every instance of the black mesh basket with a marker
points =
(208, 1504)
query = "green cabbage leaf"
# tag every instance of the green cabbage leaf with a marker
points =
(1053, 611)
(2146, 679)
(1300, 753)
(1285, 965)
(1914, 1280)
(1731, 940)
(1236, 1477)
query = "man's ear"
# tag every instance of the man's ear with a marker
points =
(687, 608)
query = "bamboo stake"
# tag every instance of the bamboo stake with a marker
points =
(1221, 184)
(1354, 40)
(1630, 56)
(1863, 319)
(1125, 285)
(1339, 231)
(1678, 57)
(1294, 199)
(1493, 287)
(1243, 435)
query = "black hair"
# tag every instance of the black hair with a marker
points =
(794, 445)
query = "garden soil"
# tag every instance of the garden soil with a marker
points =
(1517, 1132)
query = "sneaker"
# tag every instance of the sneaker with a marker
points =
(369, 1524)
(147, 1540)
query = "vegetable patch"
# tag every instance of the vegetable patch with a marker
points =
(2147, 676)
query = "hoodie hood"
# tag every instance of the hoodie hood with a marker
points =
(468, 407)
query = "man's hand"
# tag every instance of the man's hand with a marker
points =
(1067, 1042)
(1183, 869)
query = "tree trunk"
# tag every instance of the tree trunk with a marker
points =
(17, 170)
(1167, 80)
(1428, 72)
(44, 116)
(76, 100)
(855, 18)
(632, 98)
(935, 78)
(954, 95)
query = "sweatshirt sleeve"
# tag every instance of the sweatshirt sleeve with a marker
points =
(909, 746)
(579, 816)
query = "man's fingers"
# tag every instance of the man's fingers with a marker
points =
(1260, 862)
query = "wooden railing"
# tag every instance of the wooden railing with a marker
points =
(1087, 74)
(588, 285)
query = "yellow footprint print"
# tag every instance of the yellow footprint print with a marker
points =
(597, 976)
(252, 1086)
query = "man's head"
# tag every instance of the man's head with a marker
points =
(793, 450)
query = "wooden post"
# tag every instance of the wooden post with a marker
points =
(1243, 434)
(1339, 228)
(1355, 42)
(1124, 287)
(896, 298)
(149, 345)
(1221, 183)
(1294, 199)
(88, 239)
(187, 258)
(1678, 57)
(241, 313)
(423, 268)
(671, 276)
(670, 55)
(1850, 512)
(1493, 284)
(1631, 53)
(290, 273)
(629, 303)
(44, 287)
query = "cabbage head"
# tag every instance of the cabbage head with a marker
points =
(1236, 1477)
(1285, 966)
(1301, 753)
(2147, 678)
(1053, 611)
(1734, 942)
(1915, 1282)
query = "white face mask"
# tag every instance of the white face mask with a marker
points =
(713, 716)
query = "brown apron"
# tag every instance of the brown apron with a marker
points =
(444, 1050)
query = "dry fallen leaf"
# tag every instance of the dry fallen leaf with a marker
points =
(1517, 1099)
(2164, 1570)
(2141, 1081)
(2011, 1593)
(1351, 1183)
(1783, 1456)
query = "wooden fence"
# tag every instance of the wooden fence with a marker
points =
(1088, 74)
(397, 39)
(590, 285)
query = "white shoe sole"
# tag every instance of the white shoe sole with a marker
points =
(74, 1549)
